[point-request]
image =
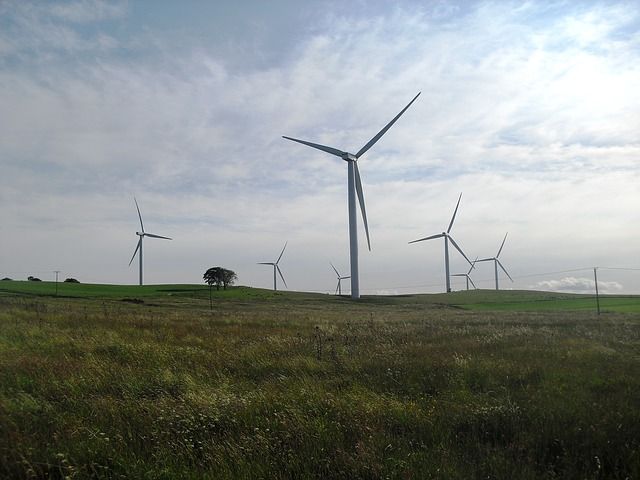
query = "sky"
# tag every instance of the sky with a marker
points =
(531, 110)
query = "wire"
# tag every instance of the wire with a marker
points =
(620, 268)
(554, 273)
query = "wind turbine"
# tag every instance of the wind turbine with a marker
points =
(340, 278)
(142, 234)
(496, 262)
(467, 275)
(447, 238)
(354, 186)
(276, 267)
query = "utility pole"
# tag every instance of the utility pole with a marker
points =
(595, 277)
(57, 272)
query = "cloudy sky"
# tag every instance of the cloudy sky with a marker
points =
(530, 109)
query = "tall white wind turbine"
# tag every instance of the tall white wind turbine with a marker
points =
(354, 186)
(276, 267)
(340, 278)
(447, 238)
(497, 263)
(142, 234)
(468, 274)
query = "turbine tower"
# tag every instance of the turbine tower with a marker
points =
(496, 262)
(142, 234)
(354, 186)
(467, 275)
(340, 278)
(447, 238)
(276, 267)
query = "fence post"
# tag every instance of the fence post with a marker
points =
(595, 277)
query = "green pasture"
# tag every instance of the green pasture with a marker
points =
(475, 300)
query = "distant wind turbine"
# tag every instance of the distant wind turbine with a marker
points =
(447, 238)
(355, 187)
(467, 275)
(340, 278)
(496, 262)
(142, 234)
(276, 267)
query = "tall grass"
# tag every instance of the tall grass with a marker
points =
(269, 389)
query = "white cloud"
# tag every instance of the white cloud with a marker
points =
(577, 285)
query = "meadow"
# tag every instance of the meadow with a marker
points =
(148, 382)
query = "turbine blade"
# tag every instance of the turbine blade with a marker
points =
(459, 249)
(454, 213)
(285, 246)
(156, 236)
(473, 265)
(371, 142)
(265, 263)
(458, 274)
(504, 269)
(337, 287)
(428, 238)
(135, 251)
(344, 278)
(139, 215)
(334, 269)
(361, 200)
(324, 148)
(505, 239)
(283, 280)
(474, 285)
(484, 260)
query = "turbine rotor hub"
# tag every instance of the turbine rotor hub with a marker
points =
(349, 157)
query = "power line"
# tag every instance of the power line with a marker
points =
(553, 273)
(557, 272)
(620, 268)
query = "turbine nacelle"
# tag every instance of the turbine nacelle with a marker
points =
(349, 157)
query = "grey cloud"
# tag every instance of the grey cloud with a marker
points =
(82, 11)
(43, 32)
(198, 138)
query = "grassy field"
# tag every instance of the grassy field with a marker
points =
(129, 382)
(484, 300)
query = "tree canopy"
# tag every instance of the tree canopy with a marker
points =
(219, 276)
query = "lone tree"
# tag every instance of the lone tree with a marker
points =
(219, 276)
(213, 276)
